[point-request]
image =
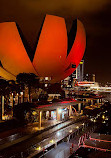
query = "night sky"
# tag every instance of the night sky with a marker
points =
(94, 14)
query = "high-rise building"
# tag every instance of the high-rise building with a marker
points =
(78, 75)
(79, 72)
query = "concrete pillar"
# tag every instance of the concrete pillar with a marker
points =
(97, 101)
(101, 100)
(58, 114)
(83, 102)
(22, 98)
(55, 145)
(79, 106)
(2, 104)
(86, 100)
(70, 110)
(40, 119)
(17, 99)
(91, 101)
(11, 100)
(81, 111)
(68, 139)
(28, 98)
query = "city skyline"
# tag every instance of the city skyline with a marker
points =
(29, 16)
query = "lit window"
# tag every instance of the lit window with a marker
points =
(46, 78)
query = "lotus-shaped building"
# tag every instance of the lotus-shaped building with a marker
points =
(57, 53)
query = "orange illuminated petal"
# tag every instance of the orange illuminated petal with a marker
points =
(76, 53)
(6, 75)
(51, 50)
(13, 55)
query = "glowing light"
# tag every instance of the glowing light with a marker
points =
(46, 85)
(46, 78)
(70, 131)
(39, 148)
(60, 111)
(77, 127)
(91, 119)
(52, 141)
(103, 117)
(34, 112)
(21, 93)
(94, 121)
(58, 133)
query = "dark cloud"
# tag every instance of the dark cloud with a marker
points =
(94, 14)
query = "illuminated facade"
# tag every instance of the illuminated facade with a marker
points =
(77, 75)
(56, 55)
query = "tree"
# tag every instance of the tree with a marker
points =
(4, 87)
(27, 79)
(4, 90)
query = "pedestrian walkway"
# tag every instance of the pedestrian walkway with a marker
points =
(66, 149)
(28, 129)
(57, 137)
(16, 138)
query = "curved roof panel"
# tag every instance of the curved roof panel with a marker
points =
(51, 50)
(6, 75)
(76, 53)
(13, 55)
(55, 55)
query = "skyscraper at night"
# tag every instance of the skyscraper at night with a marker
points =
(78, 75)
